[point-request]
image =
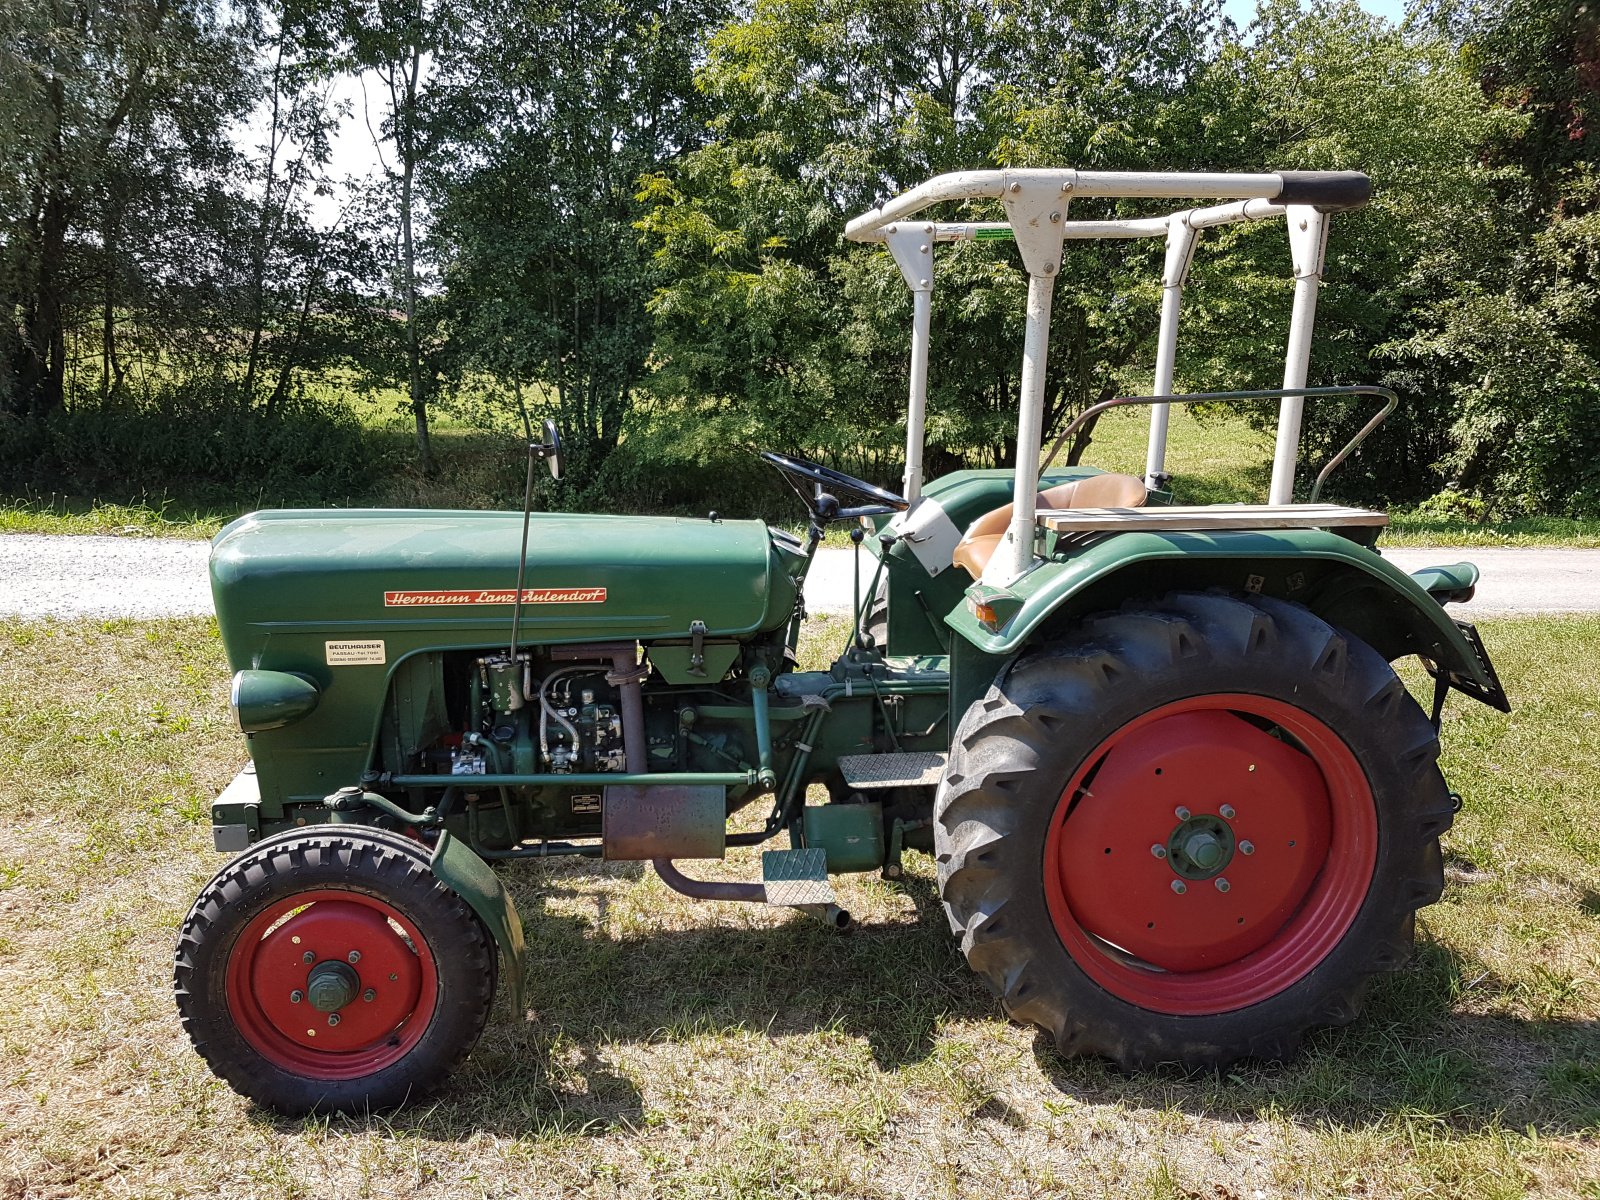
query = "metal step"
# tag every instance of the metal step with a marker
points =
(796, 878)
(918, 768)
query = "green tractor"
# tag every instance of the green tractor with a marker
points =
(1180, 804)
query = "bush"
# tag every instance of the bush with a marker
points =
(193, 441)
(1451, 505)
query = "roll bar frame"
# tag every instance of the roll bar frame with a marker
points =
(1035, 203)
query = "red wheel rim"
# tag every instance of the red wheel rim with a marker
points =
(370, 971)
(1275, 789)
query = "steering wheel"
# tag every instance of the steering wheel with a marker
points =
(830, 487)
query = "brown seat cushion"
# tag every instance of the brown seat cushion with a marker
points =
(1094, 491)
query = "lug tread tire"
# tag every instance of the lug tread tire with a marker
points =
(363, 859)
(1015, 748)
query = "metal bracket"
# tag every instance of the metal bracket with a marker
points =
(1036, 205)
(912, 247)
(1308, 240)
(697, 648)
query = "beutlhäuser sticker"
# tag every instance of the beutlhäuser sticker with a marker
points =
(354, 654)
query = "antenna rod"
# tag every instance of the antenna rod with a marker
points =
(527, 511)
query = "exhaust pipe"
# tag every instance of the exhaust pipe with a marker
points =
(830, 915)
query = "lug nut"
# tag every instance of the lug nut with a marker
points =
(1179, 886)
(1222, 884)
(1159, 851)
(1181, 813)
(369, 995)
(354, 956)
(1227, 812)
(296, 996)
(333, 1019)
(1247, 847)
(308, 957)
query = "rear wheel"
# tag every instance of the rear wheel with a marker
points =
(328, 969)
(1190, 831)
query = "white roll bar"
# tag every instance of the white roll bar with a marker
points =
(1036, 205)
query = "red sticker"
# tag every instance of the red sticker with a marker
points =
(495, 596)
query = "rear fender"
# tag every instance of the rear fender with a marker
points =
(457, 867)
(1344, 583)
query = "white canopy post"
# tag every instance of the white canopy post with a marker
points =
(1308, 242)
(1036, 206)
(1180, 252)
(912, 247)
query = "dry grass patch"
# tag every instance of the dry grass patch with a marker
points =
(680, 1050)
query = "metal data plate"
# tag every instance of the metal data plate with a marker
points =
(794, 878)
(664, 821)
(910, 769)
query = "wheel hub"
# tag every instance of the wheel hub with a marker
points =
(331, 985)
(1201, 847)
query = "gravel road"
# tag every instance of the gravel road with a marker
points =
(69, 576)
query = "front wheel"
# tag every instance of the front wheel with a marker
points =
(327, 969)
(1190, 831)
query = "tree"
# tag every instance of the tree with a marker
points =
(1332, 87)
(826, 107)
(396, 41)
(105, 108)
(549, 116)
(1520, 344)
(299, 42)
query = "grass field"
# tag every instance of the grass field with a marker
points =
(1212, 461)
(680, 1050)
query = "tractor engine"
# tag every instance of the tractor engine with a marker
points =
(560, 713)
(525, 717)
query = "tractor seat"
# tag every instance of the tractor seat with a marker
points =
(1093, 491)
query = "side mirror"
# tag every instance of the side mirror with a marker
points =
(551, 450)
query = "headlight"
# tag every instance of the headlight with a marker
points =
(271, 699)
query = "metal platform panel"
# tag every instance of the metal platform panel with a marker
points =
(1208, 516)
(795, 878)
(911, 769)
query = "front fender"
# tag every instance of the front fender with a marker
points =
(468, 876)
(1344, 583)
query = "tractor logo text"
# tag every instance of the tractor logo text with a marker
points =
(495, 596)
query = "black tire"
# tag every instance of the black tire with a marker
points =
(876, 625)
(1033, 735)
(381, 882)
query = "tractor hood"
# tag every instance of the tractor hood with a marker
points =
(353, 572)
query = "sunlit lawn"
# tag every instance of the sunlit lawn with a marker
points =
(679, 1050)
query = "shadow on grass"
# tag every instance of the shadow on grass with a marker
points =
(897, 987)
(1408, 1055)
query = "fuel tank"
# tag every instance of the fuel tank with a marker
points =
(450, 577)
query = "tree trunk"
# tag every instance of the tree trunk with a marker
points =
(43, 370)
(408, 151)
(1081, 440)
(40, 364)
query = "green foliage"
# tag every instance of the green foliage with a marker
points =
(549, 115)
(827, 106)
(115, 120)
(1517, 345)
(629, 214)
(193, 441)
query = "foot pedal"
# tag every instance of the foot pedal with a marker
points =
(910, 769)
(796, 878)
